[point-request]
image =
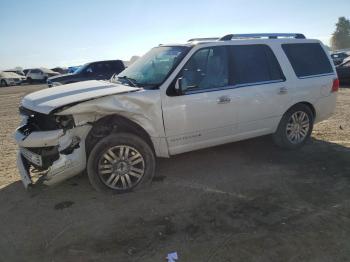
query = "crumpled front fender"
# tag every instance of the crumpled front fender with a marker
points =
(143, 107)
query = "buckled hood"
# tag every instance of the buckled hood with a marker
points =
(47, 100)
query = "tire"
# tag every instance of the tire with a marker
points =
(3, 83)
(30, 81)
(295, 127)
(111, 174)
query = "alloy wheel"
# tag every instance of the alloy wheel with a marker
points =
(298, 127)
(121, 167)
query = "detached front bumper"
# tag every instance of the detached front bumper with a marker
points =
(57, 155)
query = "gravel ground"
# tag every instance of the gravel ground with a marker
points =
(245, 201)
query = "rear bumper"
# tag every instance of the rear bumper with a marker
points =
(58, 154)
(325, 107)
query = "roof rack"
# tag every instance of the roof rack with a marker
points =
(266, 35)
(204, 39)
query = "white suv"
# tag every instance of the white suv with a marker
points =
(39, 74)
(175, 99)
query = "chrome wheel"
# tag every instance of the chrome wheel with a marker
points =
(121, 167)
(298, 127)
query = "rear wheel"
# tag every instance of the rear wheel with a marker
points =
(121, 163)
(295, 127)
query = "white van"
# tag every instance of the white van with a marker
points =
(175, 99)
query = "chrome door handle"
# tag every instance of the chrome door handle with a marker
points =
(223, 100)
(283, 90)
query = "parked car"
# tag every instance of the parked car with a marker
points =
(10, 79)
(175, 99)
(100, 70)
(18, 72)
(39, 75)
(343, 71)
(339, 57)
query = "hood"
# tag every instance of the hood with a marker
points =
(47, 100)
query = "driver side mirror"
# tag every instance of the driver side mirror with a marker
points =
(179, 85)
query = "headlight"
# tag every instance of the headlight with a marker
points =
(66, 121)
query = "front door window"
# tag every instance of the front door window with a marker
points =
(206, 69)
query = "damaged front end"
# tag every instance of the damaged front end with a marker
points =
(50, 145)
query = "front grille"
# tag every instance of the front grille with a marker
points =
(41, 158)
(32, 157)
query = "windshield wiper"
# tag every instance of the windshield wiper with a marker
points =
(130, 80)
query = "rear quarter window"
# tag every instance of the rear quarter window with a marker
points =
(308, 59)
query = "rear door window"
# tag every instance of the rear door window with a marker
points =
(253, 64)
(308, 59)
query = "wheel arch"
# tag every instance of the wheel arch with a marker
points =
(114, 124)
(308, 104)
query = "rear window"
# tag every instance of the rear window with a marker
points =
(308, 59)
(253, 64)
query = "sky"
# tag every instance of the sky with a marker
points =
(39, 33)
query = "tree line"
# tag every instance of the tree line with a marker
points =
(341, 37)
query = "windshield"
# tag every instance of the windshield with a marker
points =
(81, 69)
(152, 69)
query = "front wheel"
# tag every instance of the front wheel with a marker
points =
(295, 127)
(121, 163)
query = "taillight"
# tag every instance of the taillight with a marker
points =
(335, 86)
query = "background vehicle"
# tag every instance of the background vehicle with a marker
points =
(72, 69)
(60, 70)
(100, 70)
(176, 99)
(343, 71)
(18, 72)
(338, 57)
(39, 74)
(10, 79)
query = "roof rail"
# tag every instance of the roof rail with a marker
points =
(266, 35)
(204, 39)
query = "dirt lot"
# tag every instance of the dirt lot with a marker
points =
(246, 201)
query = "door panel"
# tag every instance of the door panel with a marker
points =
(199, 119)
(261, 106)
(206, 112)
(265, 93)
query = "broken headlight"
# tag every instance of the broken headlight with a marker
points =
(65, 122)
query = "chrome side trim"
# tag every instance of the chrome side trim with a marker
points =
(233, 87)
